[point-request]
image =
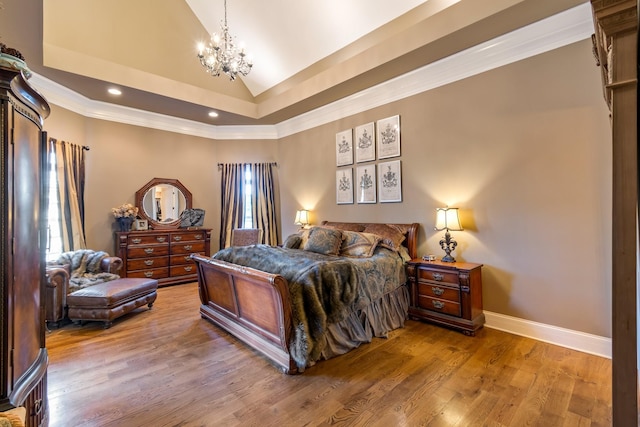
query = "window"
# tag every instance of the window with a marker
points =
(246, 194)
(54, 239)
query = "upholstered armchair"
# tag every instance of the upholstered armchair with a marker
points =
(245, 236)
(73, 271)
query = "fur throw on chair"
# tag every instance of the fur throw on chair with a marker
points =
(85, 268)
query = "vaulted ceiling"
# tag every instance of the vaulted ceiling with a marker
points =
(306, 53)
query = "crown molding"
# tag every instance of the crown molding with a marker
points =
(570, 26)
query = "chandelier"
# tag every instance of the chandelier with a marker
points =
(221, 55)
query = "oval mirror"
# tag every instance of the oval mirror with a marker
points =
(161, 202)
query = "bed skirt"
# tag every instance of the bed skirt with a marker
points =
(360, 326)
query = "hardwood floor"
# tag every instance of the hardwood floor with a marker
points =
(169, 367)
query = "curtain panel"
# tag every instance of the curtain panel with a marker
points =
(263, 205)
(70, 175)
(231, 201)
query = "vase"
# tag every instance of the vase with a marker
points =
(124, 224)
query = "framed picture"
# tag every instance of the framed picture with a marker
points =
(344, 186)
(390, 181)
(366, 184)
(344, 148)
(140, 224)
(365, 143)
(388, 137)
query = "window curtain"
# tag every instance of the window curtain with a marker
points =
(232, 201)
(263, 205)
(70, 175)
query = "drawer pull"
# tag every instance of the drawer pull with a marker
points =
(437, 291)
(188, 247)
(136, 241)
(187, 258)
(161, 239)
(438, 304)
(188, 268)
(148, 273)
(148, 251)
(37, 407)
(198, 236)
(148, 262)
(438, 276)
(177, 238)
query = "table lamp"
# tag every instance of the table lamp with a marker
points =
(447, 219)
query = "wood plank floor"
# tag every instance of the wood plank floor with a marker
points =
(169, 367)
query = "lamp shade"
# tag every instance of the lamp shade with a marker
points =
(447, 219)
(302, 217)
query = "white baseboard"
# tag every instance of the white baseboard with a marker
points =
(587, 343)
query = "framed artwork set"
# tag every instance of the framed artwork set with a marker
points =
(372, 182)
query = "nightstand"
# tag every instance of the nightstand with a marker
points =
(446, 293)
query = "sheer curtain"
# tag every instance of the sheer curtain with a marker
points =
(70, 175)
(262, 199)
(232, 201)
(263, 204)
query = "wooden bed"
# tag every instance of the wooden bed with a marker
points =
(255, 306)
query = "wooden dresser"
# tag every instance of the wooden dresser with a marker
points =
(446, 293)
(163, 255)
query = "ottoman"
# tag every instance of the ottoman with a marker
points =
(107, 301)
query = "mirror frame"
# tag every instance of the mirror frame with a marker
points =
(153, 224)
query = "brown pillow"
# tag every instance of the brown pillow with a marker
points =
(359, 245)
(324, 240)
(392, 238)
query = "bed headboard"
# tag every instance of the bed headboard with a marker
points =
(409, 230)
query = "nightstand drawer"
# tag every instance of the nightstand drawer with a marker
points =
(442, 306)
(438, 276)
(438, 291)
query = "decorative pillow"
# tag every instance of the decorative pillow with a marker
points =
(293, 241)
(392, 238)
(324, 240)
(304, 236)
(360, 245)
(346, 226)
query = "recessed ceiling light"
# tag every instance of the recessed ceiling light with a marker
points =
(213, 114)
(114, 91)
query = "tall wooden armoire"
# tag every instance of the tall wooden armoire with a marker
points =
(23, 202)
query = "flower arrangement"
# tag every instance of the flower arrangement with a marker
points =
(125, 211)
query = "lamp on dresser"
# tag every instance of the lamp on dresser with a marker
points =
(447, 219)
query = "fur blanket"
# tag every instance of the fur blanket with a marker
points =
(85, 268)
(321, 288)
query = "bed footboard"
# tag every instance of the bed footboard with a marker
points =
(250, 304)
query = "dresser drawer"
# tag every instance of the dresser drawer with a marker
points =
(439, 305)
(146, 263)
(151, 273)
(439, 291)
(438, 276)
(183, 259)
(181, 270)
(147, 251)
(148, 240)
(187, 237)
(187, 248)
